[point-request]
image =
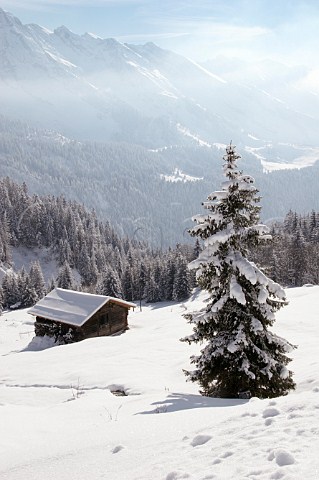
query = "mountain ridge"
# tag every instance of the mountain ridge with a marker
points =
(101, 89)
(113, 122)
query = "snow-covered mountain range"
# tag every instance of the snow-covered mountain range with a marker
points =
(160, 119)
(91, 88)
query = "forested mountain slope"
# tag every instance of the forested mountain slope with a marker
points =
(65, 237)
(73, 238)
(135, 188)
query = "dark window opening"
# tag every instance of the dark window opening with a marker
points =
(104, 319)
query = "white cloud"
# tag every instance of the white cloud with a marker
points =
(310, 82)
(208, 39)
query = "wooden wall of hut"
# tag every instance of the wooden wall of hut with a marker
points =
(110, 319)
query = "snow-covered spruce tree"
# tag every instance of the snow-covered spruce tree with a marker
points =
(241, 354)
(181, 289)
(37, 280)
(109, 284)
(65, 277)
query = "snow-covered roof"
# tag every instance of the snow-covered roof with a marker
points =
(71, 307)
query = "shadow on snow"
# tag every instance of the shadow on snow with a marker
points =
(177, 401)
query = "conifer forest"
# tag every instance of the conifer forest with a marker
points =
(105, 263)
(110, 264)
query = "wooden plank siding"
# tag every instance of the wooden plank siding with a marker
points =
(111, 318)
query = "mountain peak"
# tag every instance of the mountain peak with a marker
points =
(63, 32)
(112, 43)
(8, 20)
(91, 35)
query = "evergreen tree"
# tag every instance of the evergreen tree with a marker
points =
(27, 292)
(10, 289)
(5, 253)
(152, 292)
(169, 274)
(141, 280)
(241, 354)
(181, 289)
(51, 285)
(197, 248)
(1, 300)
(297, 258)
(92, 272)
(127, 284)
(110, 284)
(158, 279)
(65, 278)
(65, 254)
(37, 280)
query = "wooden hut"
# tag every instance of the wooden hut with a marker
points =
(71, 316)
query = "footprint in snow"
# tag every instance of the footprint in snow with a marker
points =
(200, 440)
(291, 416)
(282, 457)
(271, 412)
(247, 414)
(255, 473)
(269, 421)
(176, 476)
(226, 454)
(277, 475)
(117, 449)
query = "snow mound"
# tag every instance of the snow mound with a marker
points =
(41, 343)
(282, 457)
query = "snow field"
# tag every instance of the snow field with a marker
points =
(61, 421)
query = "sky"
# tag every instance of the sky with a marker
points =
(283, 30)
